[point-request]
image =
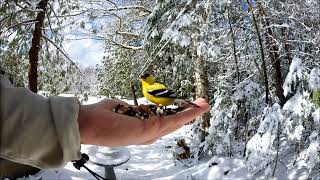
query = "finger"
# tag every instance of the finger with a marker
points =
(188, 114)
(200, 101)
(112, 103)
(194, 104)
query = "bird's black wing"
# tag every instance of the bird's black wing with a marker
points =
(163, 93)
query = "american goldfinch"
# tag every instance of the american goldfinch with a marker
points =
(158, 93)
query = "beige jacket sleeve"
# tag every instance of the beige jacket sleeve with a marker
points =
(37, 131)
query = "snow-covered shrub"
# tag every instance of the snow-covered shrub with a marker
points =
(293, 77)
(222, 123)
(289, 134)
(231, 118)
(250, 104)
(314, 79)
(260, 150)
(248, 93)
(297, 111)
(309, 158)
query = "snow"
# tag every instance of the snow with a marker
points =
(185, 41)
(294, 74)
(296, 104)
(201, 48)
(184, 21)
(314, 79)
(154, 33)
(214, 51)
(311, 156)
(247, 88)
(167, 34)
(260, 151)
(316, 116)
(297, 134)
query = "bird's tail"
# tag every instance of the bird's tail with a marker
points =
(183, 101)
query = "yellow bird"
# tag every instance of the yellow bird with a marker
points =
(158, 93)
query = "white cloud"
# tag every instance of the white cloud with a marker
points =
(85, 52)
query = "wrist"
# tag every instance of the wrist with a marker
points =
(83, 121)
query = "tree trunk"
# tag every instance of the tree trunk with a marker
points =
(237, 70)
(133, 91)
(264, 67)
(234, 49)
(274, 57)
(35, 47)
(201, 88)
(286, 45)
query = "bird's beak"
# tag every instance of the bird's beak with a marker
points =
(143, 76)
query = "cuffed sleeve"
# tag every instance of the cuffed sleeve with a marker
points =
(64, 111)
(38, 131)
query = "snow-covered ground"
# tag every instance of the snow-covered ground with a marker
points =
(155, 161)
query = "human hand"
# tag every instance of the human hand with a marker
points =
(99, 125)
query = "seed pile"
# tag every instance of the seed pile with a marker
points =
(145, 111)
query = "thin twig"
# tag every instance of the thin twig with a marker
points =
(26, 22)
(130, 8)
(126, 46)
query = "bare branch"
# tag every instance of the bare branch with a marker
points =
(126, 46)
(129, 34)
(54, 13)
(82, 38)
(26, 22)
(113, 3)
(72, 15)
(118, 30)
(133, 7)
(64, 53)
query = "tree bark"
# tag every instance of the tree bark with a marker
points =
(201, 76)
(286, 45)
(237, 69)
(274, 57)
(264, 67)
(234, 48)
(35, 47)
(201, 88)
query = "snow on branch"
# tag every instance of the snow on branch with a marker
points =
(314, 79)
(294, 74)
(31, 9)
(126, 46)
